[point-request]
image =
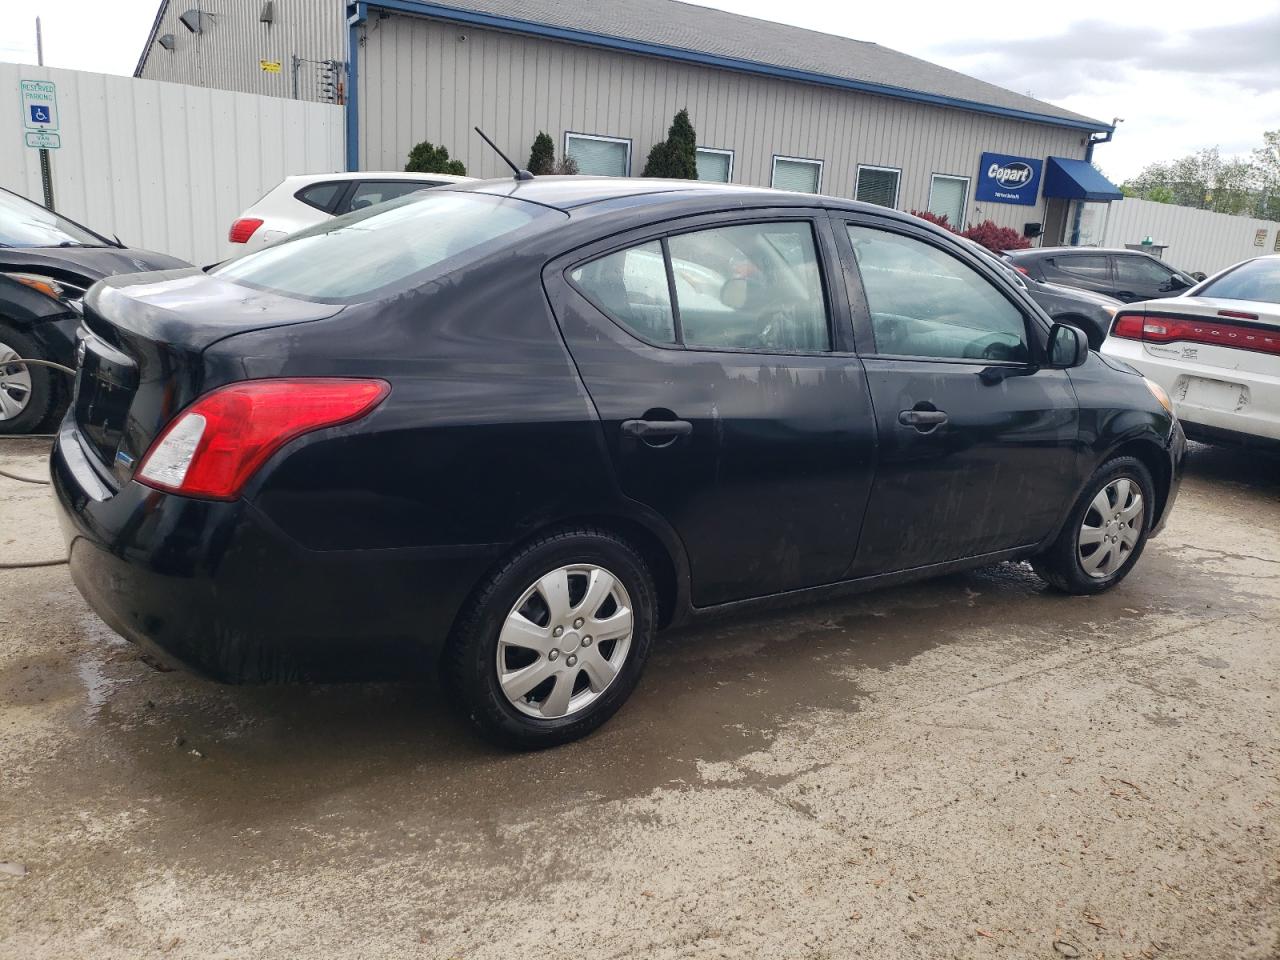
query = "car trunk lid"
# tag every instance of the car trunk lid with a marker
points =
(141, 353)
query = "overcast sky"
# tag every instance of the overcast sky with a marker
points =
(1183, 74)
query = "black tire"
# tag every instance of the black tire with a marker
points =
(43, 398)
(1061, 566)
(470, 659)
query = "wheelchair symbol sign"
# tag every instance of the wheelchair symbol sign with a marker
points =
(39, 105)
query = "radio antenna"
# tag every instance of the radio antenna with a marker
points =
(521, 174)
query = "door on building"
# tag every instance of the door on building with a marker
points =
(976, 445)
(729, 395)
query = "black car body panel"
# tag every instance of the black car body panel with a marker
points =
(508, 390)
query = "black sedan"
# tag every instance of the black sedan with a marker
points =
(520, 426)
(1125, 275)
(46, 263)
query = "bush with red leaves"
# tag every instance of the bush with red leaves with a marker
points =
(996, 238)
(941, 221)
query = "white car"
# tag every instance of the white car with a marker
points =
(299, 202)
(1215, 349)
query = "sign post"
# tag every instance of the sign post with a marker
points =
(40, 119)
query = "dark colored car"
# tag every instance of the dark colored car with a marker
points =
(1126, 275)
(46, 263)
(1091, 312)
(519, 426)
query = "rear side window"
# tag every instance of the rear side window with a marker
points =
(751, 287)
(370, 192)
(1090, 268)
(357, 255)
(322, 196)
(926, 303)
(631, 286)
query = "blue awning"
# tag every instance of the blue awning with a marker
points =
(1077, 180)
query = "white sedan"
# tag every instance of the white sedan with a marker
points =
(1215, 349)
(299, 202)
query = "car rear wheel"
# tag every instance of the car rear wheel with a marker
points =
(1106, 532)
(553, 643)
(26, 392)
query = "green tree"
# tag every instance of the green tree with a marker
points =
(426, 157)
(677, 156)
(542, 157)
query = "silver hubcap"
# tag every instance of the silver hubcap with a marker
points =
(564, 641)
(15, 383)
(1111, 528)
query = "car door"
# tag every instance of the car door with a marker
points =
(978, 447)
(1139, 277)
(1084, 271)
(729, 396)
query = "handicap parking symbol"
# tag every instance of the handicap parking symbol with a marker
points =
(40, 113)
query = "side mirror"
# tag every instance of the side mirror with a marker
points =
(1068, 346)
(1178, 282)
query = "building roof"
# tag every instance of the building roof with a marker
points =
(668, 28)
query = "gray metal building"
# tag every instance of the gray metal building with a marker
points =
(771, 104)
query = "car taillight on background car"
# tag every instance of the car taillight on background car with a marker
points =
(1158, 329)
(243, 229)
(213, 447)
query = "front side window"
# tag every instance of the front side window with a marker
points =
(599, 156)
(631, 286)
(715, 165)
(800, 176)
(355, 256)
(748, 287)
(878, 185)
(1086, 267)
(1141, 272)
(926, 303)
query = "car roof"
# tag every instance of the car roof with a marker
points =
(579, 192)
(1048, 251)
(303, 178)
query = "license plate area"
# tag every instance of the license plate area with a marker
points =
(1208, 394)
(105, 384)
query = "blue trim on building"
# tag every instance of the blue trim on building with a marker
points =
(357, 14)
(445, 12)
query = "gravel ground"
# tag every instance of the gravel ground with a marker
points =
(970, 767)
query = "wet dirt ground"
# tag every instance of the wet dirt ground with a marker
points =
(970, 767)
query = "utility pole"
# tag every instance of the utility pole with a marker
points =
(46, 173)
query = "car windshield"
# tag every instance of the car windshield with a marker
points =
(1256, 280)
(27, 224)
(361, 254)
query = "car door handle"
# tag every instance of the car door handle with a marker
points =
(922, 420)
(656, 429)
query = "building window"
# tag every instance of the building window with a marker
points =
(878, 185)
(715, 165)
(795, 173)
(947, 198)
(599, 156)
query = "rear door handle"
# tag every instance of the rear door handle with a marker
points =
(922, 420)
(656, 429)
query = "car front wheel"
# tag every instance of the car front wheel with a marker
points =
(26, 392)
(553, 643)
(1105, 533)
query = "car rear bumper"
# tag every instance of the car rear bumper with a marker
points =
(1214, 397)
(221, 590)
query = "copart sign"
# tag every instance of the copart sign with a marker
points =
(1006, 179)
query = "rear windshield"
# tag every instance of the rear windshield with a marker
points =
(393, 244)
(1256, 280)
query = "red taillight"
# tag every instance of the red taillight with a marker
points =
(1023, 270)
(214, 446)
(242, 229)
(1156, 329)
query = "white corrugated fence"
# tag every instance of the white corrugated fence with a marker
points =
(1196, 239)
(165, 166)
